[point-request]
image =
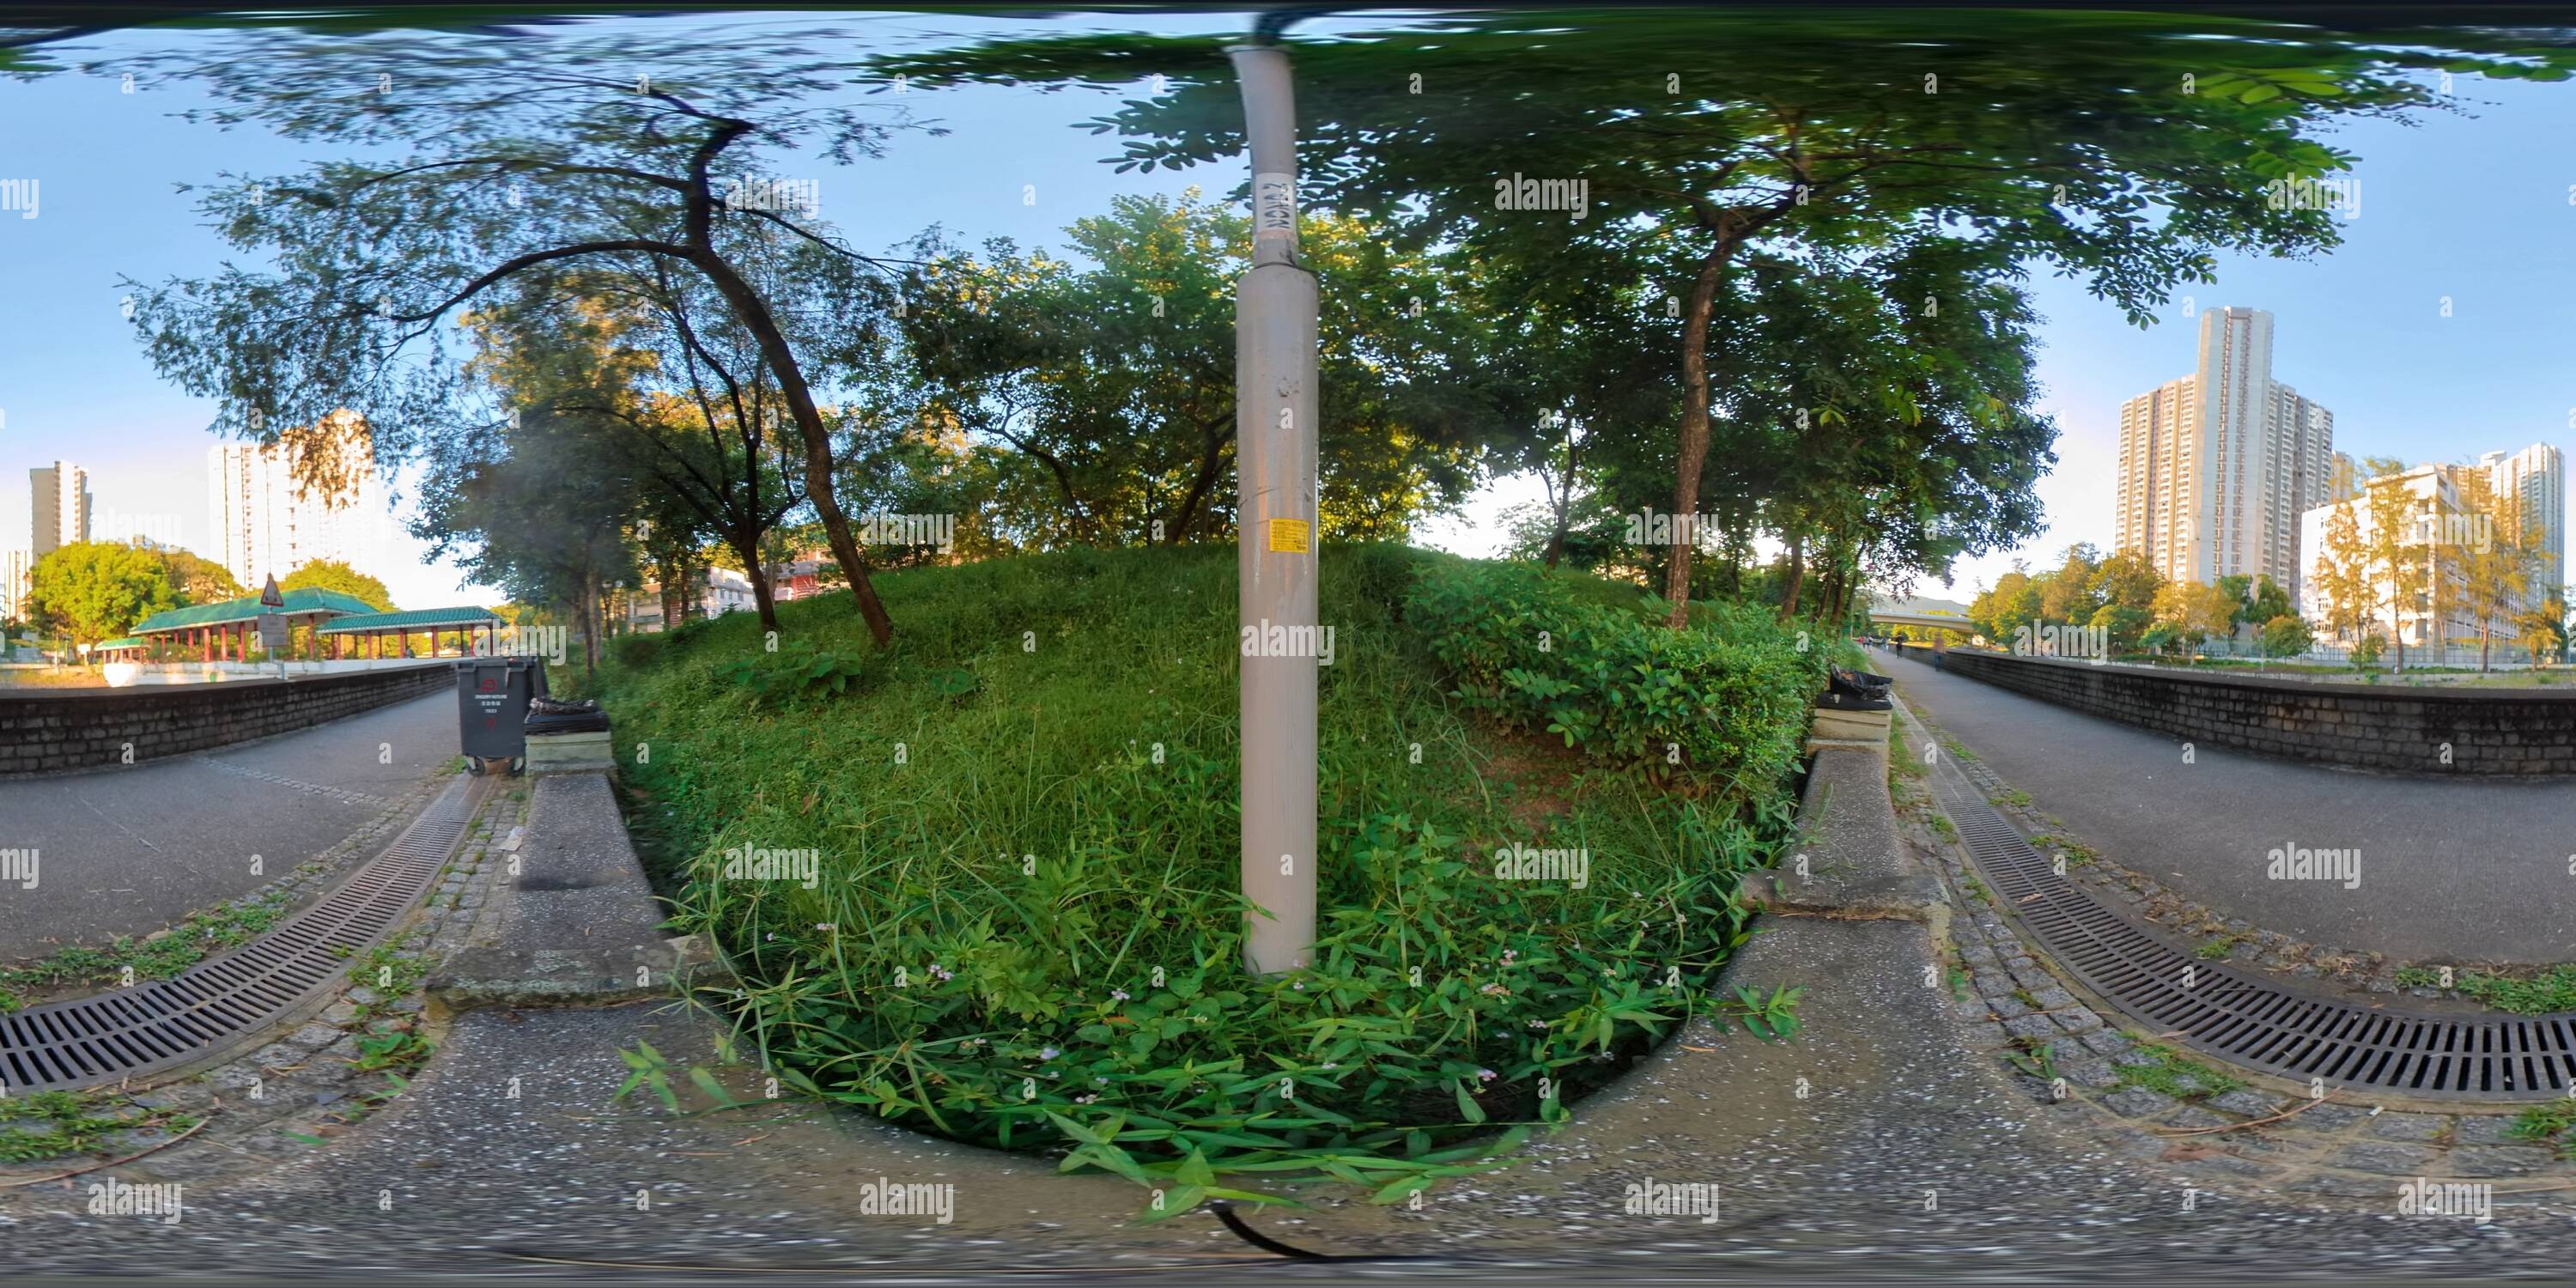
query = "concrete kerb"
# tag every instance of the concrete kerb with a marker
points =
(577, 923)
(1847, 862)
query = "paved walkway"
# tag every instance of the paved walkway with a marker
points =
(2451, 869)
(125, 852)
(1884, 1141)
(1876, 1145)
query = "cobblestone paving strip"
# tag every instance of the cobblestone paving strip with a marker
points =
(315, 1077)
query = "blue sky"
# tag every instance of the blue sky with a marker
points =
(2480, 208)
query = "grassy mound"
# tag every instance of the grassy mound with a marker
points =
(1023, 926)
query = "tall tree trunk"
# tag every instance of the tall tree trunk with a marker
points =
(746, 547)
(1564, 498)
(590, 621)
(1797, 577)
(1211, 464)
(819, 490)
(1695, 412)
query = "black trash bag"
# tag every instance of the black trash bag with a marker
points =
(563, 715)
(1847, 690)
(1858, 684)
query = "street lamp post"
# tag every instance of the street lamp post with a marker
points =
(1275, 423)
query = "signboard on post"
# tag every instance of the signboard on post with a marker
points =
(272, 624)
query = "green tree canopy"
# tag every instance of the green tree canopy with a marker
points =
(333, 574)
(98, 590)
(2125, 149)
(199, 580)
(1112, 373)
(653, 151)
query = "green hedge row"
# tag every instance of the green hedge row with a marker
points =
(1726, 700)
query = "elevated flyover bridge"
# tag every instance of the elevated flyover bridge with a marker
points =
(1900, 617)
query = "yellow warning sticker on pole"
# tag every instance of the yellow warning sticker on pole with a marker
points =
(1288, 536)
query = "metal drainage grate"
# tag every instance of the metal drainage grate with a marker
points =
(236, 996)
(2251, 1021)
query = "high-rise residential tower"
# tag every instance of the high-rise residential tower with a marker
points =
(2530, 491)
(61, 510)
(268, 524)
(2217, 467)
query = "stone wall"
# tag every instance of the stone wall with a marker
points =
(2425, 729)
(54, 730)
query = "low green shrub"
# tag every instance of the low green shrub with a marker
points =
(1725, 699)
(800, 673)
(635, 650)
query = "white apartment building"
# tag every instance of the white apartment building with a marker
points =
(2436, 519)
(718, 591)
(2217, 468)
(61, 499)
(17, 581)
(266, 524)
(2530, 489)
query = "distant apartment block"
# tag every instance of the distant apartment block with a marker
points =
(712, 592)
(17, 582)
(2217, 467)
(2443, 524)
(267, 523)
(61, 507)
(2530, 490)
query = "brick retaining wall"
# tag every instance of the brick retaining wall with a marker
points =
(2371, 726)
(53, 731)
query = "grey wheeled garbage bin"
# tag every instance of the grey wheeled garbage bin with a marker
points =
(492, 708)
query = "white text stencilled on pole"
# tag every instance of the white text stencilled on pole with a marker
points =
(1274, 205)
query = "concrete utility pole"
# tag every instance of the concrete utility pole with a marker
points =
(1275, 428)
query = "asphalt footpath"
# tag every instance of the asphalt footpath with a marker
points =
(2454, 869)
(127, 851)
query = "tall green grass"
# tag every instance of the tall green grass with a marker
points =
(1027, 927)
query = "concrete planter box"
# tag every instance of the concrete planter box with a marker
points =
(1847, 729)
(564, 753)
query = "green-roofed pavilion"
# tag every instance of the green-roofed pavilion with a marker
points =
(335, 625)
(229, 630)
(310, 601)
(366, 633)
(417, 619)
